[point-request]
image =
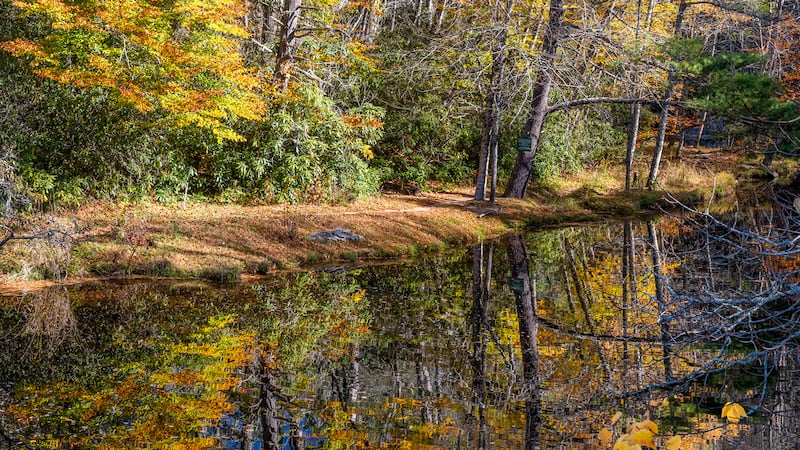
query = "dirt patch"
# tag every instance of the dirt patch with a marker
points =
(226, 241)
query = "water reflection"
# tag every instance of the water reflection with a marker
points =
(530, 341)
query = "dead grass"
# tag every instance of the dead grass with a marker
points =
(223, 241)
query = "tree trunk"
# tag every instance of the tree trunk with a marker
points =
(291, 16)
(521, 173)
(490, 127)
(662, 125)
(633, 134)
(660, 137)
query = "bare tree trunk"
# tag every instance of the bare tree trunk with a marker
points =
(490, 128)
(634, 116)
(633, 134)
(521, 173)
(660, 137)
(284, 57)
(662, 125)
(367, 22)
(438, 15)
(269, 25)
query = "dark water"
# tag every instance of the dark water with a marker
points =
(530, 341)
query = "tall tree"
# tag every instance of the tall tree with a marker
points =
(662, 124)
(490, 125)
(521, 173)
(285, 53)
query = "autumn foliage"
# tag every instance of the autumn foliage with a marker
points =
(180, 57)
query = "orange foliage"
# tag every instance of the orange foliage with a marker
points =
(182, 57)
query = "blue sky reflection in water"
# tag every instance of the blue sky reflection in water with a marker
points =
(531, 341)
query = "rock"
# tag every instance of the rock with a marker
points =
(336, 235)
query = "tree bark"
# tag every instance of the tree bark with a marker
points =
(284, 57)
(662, 125)
(633, 134)
(521, 173)
(490, 127)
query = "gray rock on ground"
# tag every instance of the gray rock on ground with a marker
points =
(338, 234)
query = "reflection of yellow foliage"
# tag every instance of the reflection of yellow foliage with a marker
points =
(159, 408)
(605, 437)
(673, 443)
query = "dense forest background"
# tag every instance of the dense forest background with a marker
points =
(309, 100)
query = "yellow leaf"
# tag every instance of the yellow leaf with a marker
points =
(605, 437)
(649, 425)
(673, 443)
(644, 437)
(733, 412)
(615, 418)
(625, 442)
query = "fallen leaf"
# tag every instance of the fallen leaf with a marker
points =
(615, 418)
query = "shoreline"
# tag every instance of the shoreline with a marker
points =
(225, 242)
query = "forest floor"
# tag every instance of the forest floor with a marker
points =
(228, 242)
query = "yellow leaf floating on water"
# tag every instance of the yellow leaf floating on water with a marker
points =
(733, 412)
(645, 438)
(605, 437)
(673, 443)
(626, 442)
(646, 424)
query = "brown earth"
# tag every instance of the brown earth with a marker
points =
(222, 241)
(226, 242)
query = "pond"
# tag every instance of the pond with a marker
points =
(551, 339)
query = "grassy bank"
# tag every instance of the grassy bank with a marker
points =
(225, 242)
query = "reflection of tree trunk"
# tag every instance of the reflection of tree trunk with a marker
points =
(481, 278)
(660, 299)
(627, 264)
(580, 290)
(268, 408)
(425, 390)
(528, 330)
(784, 426)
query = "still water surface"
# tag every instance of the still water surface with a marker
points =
(530, 341)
